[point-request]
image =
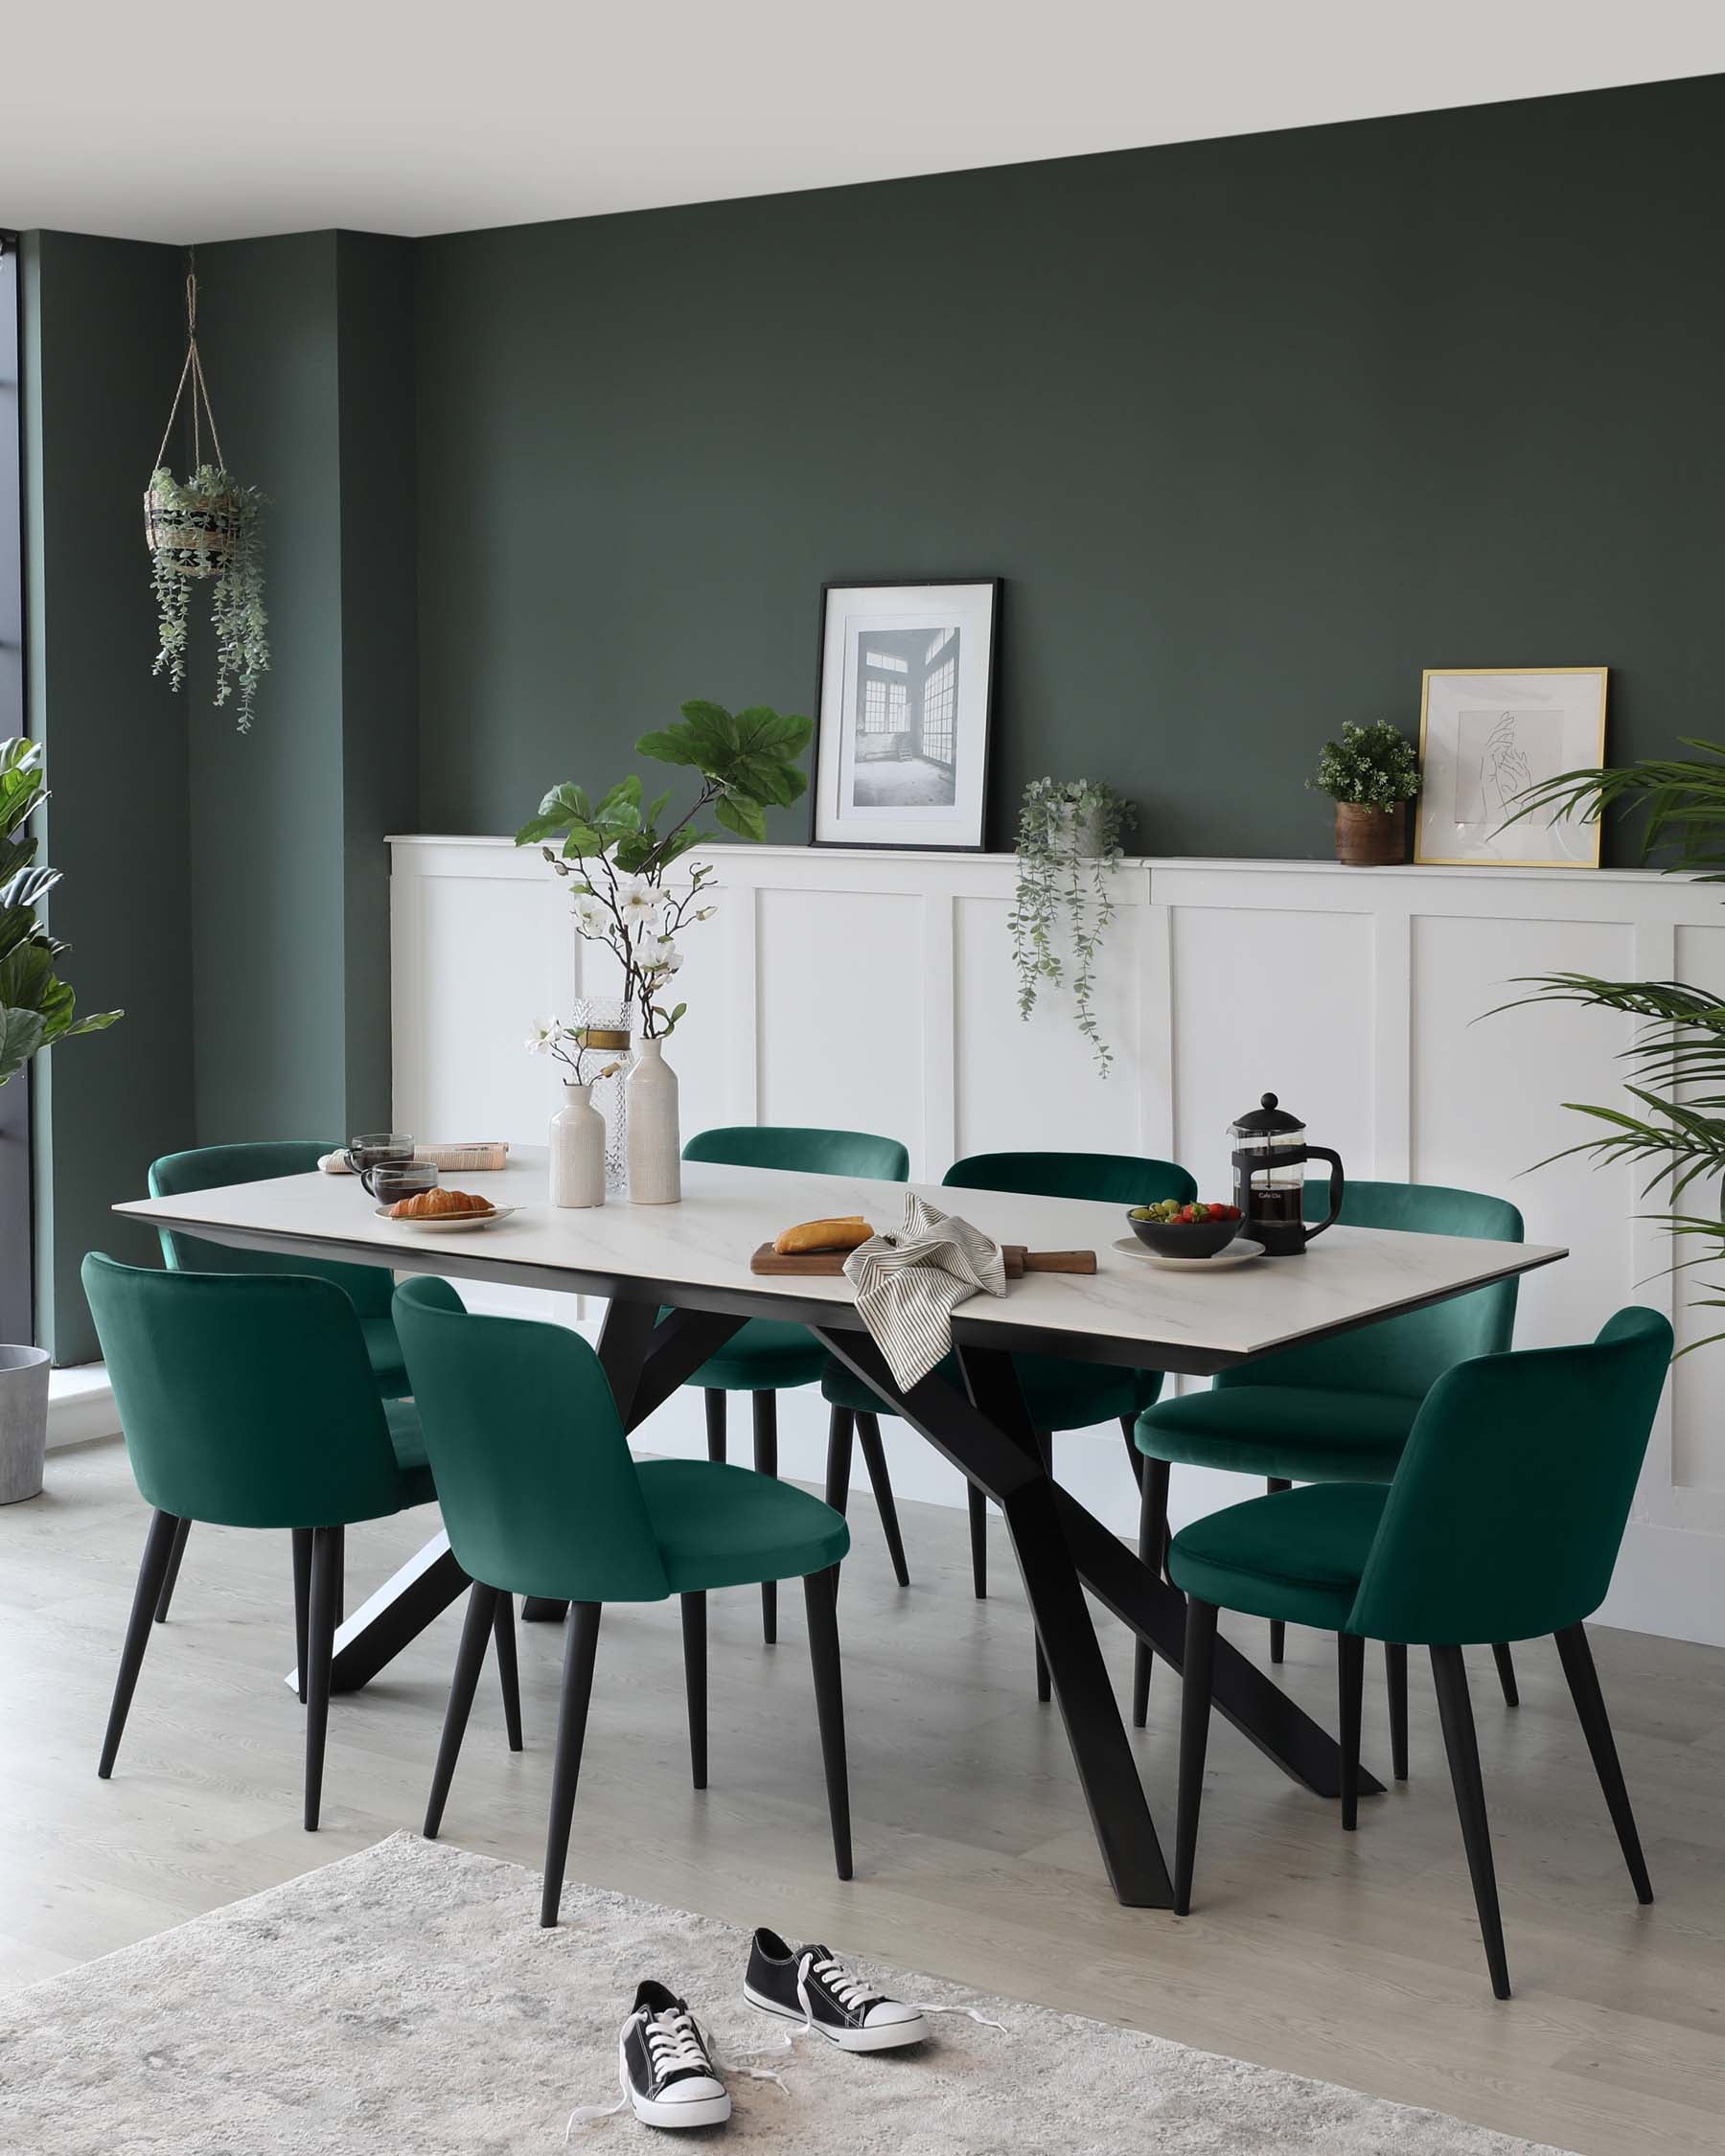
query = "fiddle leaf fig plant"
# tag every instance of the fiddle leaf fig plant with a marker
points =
(1069, 846)
(616, 850)
(37, 1007)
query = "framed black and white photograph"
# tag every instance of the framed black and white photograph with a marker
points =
(1484, 737)
(906, 701)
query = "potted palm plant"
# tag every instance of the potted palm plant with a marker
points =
(35, 1010)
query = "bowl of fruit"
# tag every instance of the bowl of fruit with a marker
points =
(1196, 1230)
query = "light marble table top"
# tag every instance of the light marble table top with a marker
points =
(696, 1254)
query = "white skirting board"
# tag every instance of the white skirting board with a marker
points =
(876, 991)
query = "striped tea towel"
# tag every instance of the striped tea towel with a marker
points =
(909, 1284)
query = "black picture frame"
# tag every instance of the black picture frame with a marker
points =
(996, 588)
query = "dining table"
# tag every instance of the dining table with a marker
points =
(677, 1284)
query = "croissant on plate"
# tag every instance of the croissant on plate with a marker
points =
(439, 1204)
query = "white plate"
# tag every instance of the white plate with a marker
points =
(1240, 1251)
(445, 1224)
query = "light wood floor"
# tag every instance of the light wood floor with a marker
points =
(1351, 1957)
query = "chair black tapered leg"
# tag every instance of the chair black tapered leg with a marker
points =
(302, 1602)
(820, 1601)
(166, 1598)
(1350, 1685)
(1135, 1460)
(1195, 1681)
(874, 1455)
(478, 1629)
(158, 1554)
(1153, 1531)
(1278, 1631)
(841, 1427)
(1395, 1677)
(713, 1401)
(1596, 1726)
(1044, 1690)
(979, 1539)
(503, 1631)
(1456, 1711)
(695, 1684)
(320, 1648)
(766, 1459)
(1505, 1669)
(342, 1579)
(571, 1732)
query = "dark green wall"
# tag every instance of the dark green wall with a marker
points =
(1256, 429)
(102, 345)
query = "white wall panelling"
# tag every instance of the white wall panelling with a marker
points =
(876, 991)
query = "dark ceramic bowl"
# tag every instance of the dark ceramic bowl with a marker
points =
(1196, 1239)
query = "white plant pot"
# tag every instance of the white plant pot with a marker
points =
(655, 1148)
(578, 1149)
(1084, 835)
(23, 1422)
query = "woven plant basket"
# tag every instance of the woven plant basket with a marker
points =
(193, 534)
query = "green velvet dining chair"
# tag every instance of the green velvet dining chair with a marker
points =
(541, 1497)
(765, 1358)
(1502, 1522)
(367, 1287)
(1336, 1409)
(1060, 1393)
(249, 1401)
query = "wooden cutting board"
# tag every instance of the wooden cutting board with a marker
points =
(828, 1265)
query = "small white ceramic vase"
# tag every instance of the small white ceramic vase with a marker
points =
(577, 1149)
(655, 1152)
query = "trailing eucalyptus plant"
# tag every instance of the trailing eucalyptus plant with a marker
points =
(35, 1005)
(1677, 1059)
(617, 851)
(1069, 846)
(209, 529)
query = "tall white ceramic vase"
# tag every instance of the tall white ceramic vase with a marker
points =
(577, 1149)
(654, 1150)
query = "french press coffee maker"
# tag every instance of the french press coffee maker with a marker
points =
(1270, 1154)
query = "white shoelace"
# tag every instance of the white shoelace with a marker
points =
(849, 1990)
(674, 2041)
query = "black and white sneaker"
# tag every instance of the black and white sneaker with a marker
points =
(665, 2065)
(809, 1984)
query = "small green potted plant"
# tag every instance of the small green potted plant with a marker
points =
(1068, 847)
(35, 1010)
(1372, 774)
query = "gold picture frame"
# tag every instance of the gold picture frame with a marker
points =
(1481, 744)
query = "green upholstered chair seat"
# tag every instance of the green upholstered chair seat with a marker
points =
(764, 1357)
(1295, 1434)
(408, 1443)
(1058, 1393)
(727, 1527)
(1298, 1556)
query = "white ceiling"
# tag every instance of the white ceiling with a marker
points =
(204, 121)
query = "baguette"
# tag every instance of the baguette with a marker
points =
(822, 1235)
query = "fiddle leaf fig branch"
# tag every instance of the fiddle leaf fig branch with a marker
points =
(37, 1007)
(616, 852)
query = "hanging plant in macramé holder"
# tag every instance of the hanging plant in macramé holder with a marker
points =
(207, 529)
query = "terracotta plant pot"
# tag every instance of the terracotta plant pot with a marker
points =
(1370, 837)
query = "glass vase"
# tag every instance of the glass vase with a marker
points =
(609, 1022)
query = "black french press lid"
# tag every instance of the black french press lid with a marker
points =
(1268, 1121)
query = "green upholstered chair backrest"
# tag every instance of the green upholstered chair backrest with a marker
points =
(533, 1473)
(207, 1167)
(802, 1151)
(1403, 1356)
(1105, 1178)
(1507, 1510)
(246, 1399)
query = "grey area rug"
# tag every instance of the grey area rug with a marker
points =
(403, 2001)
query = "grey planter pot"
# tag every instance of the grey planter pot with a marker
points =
(23, 1422)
